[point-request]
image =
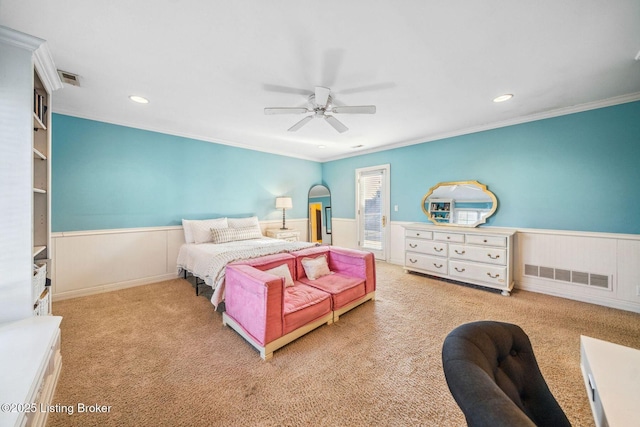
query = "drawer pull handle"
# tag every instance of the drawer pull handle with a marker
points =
(462, 253)
(459, 270)
(485, 240)
(438, 249)
(492, 276)
(413, 245)
(448, 237)
(417, 234)
(413, 261)
(437, 266)
(493, 257)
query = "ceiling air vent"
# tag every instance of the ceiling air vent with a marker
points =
(69, 78)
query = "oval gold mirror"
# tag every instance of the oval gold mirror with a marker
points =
(460, 203)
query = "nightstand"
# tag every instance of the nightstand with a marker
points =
(288, 235)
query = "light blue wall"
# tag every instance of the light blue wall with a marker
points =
(575, 172)
(107, 176)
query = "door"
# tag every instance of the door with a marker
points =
(315, 222)
(372, 209)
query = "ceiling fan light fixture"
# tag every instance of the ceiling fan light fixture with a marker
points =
(502, 98)
(139, 99)
(320, 104)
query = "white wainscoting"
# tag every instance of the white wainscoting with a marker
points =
(615, 257)
(89, 262)
(345, 234)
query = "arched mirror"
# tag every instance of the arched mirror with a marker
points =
(320, 215)
(460, 203)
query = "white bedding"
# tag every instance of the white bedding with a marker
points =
(208, 260)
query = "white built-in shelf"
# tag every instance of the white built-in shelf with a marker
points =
(37, 123)
(38, 249)
(38, 155)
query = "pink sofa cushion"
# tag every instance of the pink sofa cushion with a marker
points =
(302, 305)
(349, 262)
(343, 289)
(254, 300)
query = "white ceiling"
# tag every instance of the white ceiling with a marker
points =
(431, 67)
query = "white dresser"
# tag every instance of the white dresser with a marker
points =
(480, 256)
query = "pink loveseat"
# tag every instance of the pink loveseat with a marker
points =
(269, 314)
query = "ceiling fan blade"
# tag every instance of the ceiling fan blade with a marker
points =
(285, 89)
(360, 109)
(322, 95)
(368, 88)
(337, 124)
(285, 110)
(300, 124)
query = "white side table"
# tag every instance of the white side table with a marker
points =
(612, 377)
(288, 235)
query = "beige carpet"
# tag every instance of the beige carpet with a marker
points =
(159, 355)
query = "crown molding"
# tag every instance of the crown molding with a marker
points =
(42, 58)
(46, 67)
(609, 102)
(19, 39)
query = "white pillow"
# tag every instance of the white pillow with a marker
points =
(315, 268)
(201, 229)
(224, 235)
(243, 222)
(282, 271)
(188, 235)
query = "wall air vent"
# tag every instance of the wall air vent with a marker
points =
(69, 78)
(601, 281)
(530, 270)
(546, 272)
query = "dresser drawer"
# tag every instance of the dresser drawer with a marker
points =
(476, 239)
(418, 234)
(491, 274)
(428, 247)
(425, 262)
(449, 237)
(476, 253)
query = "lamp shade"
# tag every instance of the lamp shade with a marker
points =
(284, 203)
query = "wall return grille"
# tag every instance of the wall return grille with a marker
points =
(601, 281)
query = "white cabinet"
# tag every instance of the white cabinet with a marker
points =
(27, 77)
(30, 364)
(480, 256)
(441, 210)
(288, 235)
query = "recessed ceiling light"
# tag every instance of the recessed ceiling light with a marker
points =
(139, 99)
(502, 98)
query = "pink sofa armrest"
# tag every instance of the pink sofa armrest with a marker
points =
(254, 299)
(350, 262)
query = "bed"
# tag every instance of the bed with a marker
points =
(211, 244)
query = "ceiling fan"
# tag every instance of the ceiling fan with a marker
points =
(321, 105)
